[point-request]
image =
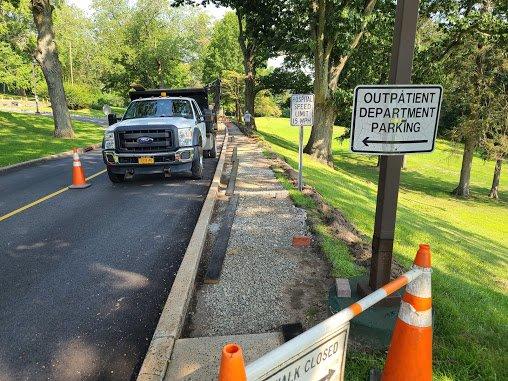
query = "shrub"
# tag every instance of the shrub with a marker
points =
(110, 99)
(265, 105)
(79, 96)
(84, 96)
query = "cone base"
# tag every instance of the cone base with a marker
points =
(79, 186)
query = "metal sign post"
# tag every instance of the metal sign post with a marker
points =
(390, 166)
(300, 160)
(302, 114)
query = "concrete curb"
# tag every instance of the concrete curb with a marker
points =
(173, 315)
(10, 168)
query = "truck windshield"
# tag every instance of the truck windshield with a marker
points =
(152, 108)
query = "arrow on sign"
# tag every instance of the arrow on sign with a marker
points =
(366, 141)
(328, 376)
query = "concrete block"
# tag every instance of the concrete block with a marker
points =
(198, 358)
(343, 287)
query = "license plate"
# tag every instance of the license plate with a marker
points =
(146, 160)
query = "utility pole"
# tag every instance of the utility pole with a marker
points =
(390, 166)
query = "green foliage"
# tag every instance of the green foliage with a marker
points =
(232, 96)
(265, 105)
(79, 96)
(110, 99)
(223, 53)
(16, 44)
(469, 240)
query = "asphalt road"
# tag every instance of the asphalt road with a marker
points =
(84, 275)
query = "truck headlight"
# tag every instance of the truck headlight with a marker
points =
(185, 136)
(109, 140)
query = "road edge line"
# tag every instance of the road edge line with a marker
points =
(174, 313)
(23, 164)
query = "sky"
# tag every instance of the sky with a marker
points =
(214, 11)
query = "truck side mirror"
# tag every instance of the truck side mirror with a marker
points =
(112, 119)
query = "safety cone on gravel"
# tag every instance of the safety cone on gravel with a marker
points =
(78, 174)
(410, 353)
(232, 366)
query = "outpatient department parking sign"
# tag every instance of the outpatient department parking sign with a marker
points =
(394, 120)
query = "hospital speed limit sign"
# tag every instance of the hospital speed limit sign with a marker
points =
(395, 120)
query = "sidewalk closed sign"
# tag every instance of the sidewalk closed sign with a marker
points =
(324, 361)
(395, 120)
(302, 109)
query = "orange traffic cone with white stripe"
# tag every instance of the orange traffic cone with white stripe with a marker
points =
(232, 366)
(78, 173)
(410, 353)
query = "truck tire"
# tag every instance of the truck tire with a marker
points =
(212, 153)
(197, 163)
(115, 177)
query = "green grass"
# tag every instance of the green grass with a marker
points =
(25, 137)
(469, 240)
(119, 111)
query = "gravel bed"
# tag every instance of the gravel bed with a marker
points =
(265, 282)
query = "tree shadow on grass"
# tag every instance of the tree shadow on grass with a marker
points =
(276, 140)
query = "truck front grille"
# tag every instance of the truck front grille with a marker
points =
(128, 140)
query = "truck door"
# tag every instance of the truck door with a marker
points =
(200, 121)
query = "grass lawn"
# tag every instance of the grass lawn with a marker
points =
(25, 137)
(119, 111)
(469, 241)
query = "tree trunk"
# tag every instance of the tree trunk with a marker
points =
(47, 57)
(248, 51)
(319, 144)
(250, 86)
(494, 189)
(465, 172)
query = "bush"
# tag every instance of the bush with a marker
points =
(265, 105)
(110, 99)
(79, 96)
(83, 96)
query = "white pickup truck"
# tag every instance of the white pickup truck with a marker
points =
(161, 133)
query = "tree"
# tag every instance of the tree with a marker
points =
(257, 23)
(46, 55)
(474, 66)
(232, 92)
(326, 33)
(223, 53)
(17, 42)
(495, 142)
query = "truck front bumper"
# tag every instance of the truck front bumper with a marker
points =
(164, 162)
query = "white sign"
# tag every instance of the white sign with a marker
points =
(302, 109)
(324, 361)
(395, 119)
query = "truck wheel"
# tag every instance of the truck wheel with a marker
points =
(115, 177)
(197, 163)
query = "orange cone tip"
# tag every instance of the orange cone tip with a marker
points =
(423, 256)
(232, 366)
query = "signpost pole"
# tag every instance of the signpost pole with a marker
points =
(390, 166)
(300, 161)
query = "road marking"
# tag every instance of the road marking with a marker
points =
(42, 199)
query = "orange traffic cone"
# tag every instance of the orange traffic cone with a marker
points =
(410, 353)
(232, 367)
(78, 174)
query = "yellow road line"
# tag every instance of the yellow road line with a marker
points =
(42, 199)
